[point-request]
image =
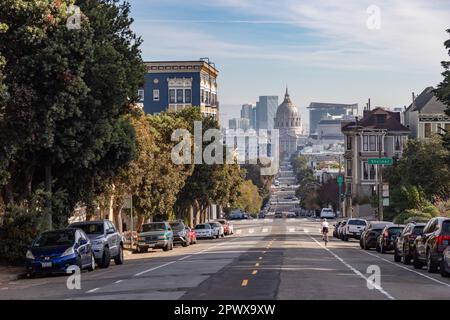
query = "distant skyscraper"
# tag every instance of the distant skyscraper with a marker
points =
(239, 123)
(319, 111)
(246, 111)
(266, 109)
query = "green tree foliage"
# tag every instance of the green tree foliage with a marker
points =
(67, 93)
(253, 173)
(307, 190)
(249, 199)
(443, 89)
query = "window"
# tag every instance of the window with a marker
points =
(381, 118)
(202, 96)
(427, 130)
(372, 143)
(187, 96)
(171, 96)
(349, 143)
(365, 143)
(397, 143)
(180, 96)
(156, 95)
(369, 171)
(141, 95)
(349, 168)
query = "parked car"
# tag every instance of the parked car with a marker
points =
(370, 235)
(261, 215)
(225, 225)
(204, 230)
(404, 243)
(218, 229)
(340, 231)
(430, 245)
(327, 213)
(180, 234)
(388, 236)
(56, 251)
(278, 215)
(335, 230)
(291, 215)
(107, 242)
(353, 229)
(445, 263)
(155, 235)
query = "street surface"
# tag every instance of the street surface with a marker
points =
(265, 259)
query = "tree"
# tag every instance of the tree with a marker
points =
(62, 124)
(249, 199)
(443, 89)
(328, 194)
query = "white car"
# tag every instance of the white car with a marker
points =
(327, 213)
(353, 229)
(204, 230)
(218, 229)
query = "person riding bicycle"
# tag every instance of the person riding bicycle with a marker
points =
(325, 227)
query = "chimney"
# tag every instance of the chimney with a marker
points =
(413, 100)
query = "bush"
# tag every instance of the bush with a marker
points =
(417, 215)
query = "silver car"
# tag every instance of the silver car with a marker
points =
(107, 242)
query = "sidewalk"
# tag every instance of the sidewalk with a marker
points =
(8, 273)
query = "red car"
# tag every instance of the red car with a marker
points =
(191, 235)
(226, 226)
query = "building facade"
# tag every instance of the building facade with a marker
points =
(318, 111)
(248, 111)
(378, 134)
(175, 85)
(288, 122)
(426, 116)
(266, 109)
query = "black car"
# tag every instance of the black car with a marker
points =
(278, 215)
(370, 235)
(404, 244)
(430, 245)
(386, 239)
(336, 227)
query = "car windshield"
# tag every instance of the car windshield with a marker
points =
(202, 226)
(446, 228)
(177, 225)
(55, 238)
(418, 230)
(357, 222)
(395, 231)
(153, 227)
(90, 228)
(379, 226)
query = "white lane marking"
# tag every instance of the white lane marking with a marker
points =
(291, 229)
(92, 290)
(5, 288)
(238, 231)
(291, 220)
(251, 230)
(379, 288)
(118, 281)
(181, 259)
(306, 230)
(411, 270)
(155, 268)
(265, 230)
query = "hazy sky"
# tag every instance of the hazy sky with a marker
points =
(323, 49)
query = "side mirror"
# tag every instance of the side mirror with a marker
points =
(110, 231)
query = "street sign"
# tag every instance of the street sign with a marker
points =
(381, 161)
(385, 202)
(340, 180)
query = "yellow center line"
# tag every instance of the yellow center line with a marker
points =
(260, 258)
(255, 272)
(244, 282)
(257, 264)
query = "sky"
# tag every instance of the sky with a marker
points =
(342, 51)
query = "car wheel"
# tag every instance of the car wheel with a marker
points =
(92, 265)
(406, 257)
(377, 248)
(119, 258)
(106, 258)
(171, 245)
(217, 237)
(444, 272)
(185, 243)
(166, 247)
(397, 258)
(431, 265)
(382, 249)
(416, 263)
(223, 235)
(346, 238)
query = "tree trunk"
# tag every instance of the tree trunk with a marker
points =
(139, 223)
(48, 188)
(118, 218)
(191, 216)
(111, 204)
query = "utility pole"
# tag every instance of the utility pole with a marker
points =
(380, 180)
(340, 187)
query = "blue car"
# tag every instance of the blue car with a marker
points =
(55, 251)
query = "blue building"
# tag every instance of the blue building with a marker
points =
(266, 109)
(175, 85)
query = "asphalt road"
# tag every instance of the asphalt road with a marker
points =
(265, 259)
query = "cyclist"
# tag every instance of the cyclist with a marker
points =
(325, 228)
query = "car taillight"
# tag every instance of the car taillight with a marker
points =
(441, 239)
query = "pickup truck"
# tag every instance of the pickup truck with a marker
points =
(155, 235)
